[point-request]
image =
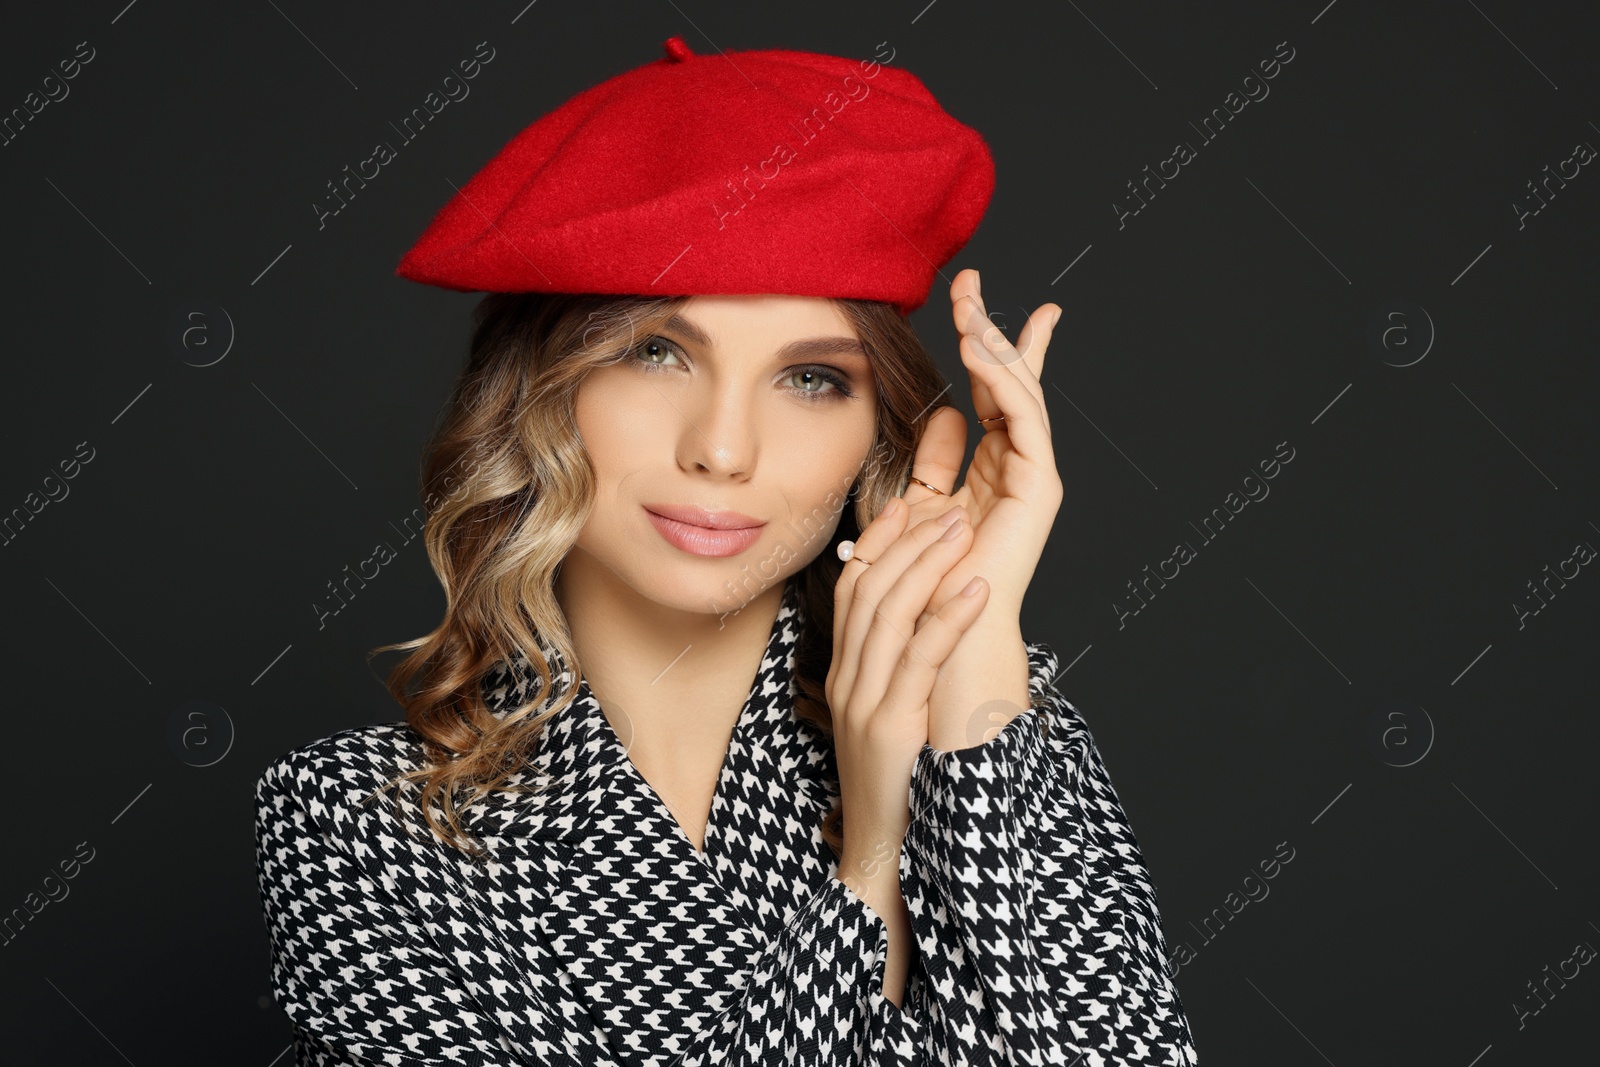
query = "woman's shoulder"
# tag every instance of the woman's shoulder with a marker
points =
(331, 776)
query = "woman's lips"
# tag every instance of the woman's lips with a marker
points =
(701, 541)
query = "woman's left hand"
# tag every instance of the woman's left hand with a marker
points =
(1011, 494)
(1012, 490)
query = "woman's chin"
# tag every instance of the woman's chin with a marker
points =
(706, 591)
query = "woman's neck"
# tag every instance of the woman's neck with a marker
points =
(671, 682)
(657, 661)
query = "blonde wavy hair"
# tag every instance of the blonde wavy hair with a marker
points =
(507, 487)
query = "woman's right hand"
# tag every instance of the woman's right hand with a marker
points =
(884, 669)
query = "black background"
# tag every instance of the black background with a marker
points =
(1360, 616)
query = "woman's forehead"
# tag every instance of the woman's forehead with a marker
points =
(713, 321)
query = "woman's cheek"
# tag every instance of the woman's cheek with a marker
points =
(821, 475)
(616, 419)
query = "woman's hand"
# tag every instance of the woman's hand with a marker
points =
(1011, 493)
(1012, 489)
(883, 670)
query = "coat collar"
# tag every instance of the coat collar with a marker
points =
(580, 759)
(490, 915)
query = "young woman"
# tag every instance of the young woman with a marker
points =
(729, 747)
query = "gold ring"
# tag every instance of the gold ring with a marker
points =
(847, 552)
(925, 485)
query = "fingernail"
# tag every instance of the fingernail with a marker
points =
(973, 587)
(950, 516)
(977, 283)
(892, 508)
(951, 533)
(1055, 320)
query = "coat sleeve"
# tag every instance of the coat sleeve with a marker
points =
(1034, 913)
(350, 966)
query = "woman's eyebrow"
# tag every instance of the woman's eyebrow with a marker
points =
(812, 347)
(694, 334)
(804, 349)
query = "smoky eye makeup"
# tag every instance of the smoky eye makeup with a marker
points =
(832, 382)
(840, 382)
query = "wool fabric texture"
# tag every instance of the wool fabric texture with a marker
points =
(742, 172)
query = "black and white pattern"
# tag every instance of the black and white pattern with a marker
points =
(595, 934)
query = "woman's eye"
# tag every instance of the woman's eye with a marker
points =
(811, 383)
(819, 382)
(654, 351)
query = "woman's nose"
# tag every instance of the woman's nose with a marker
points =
(721, 436)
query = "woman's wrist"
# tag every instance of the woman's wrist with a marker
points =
(870, 868)
(981, 686)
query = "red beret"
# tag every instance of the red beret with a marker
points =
(770, 171)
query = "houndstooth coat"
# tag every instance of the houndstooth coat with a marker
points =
(595, 934)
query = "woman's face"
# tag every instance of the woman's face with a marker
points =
(760, 408)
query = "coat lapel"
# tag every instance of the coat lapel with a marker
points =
(534, 842)
(583, 798)
(461, 901)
